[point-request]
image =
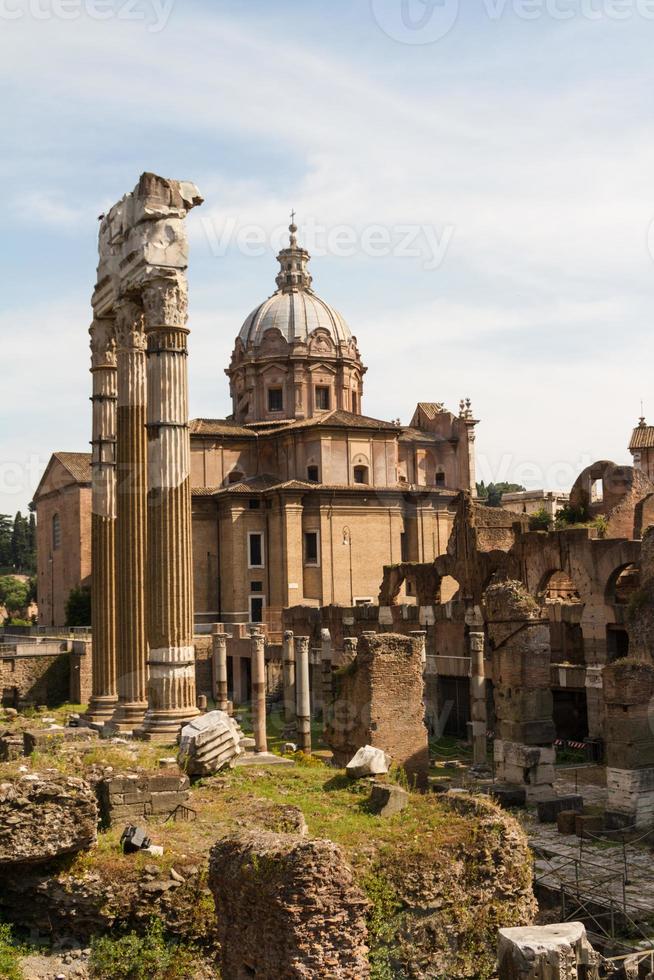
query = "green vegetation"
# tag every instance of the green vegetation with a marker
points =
(491, 495)
(540, 521)
(18, 544)
(384, 908)
(148, 957)
(16, 595)
(10, 954)
(78, 607)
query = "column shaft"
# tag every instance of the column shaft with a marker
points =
(478, 698)
(131, 490)
(288, 668)
(171, 689)
(258, 648)
(326, 673)
(303, 693)
(103, 522)
(219, 644)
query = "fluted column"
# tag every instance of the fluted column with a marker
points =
(103, 522)
(219, 649)
(131, 533)
(326, 657)
(478, 697)
(303, 693)
(171, 691)
(258, 666)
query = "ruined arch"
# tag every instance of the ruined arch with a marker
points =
(622, 584)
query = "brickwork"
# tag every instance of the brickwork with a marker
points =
(378, 701)
(137, 796)
(35, 678)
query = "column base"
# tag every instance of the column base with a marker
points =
(100, 711)
(127, 718)
(164, 725)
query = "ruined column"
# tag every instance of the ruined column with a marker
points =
(555, 952)
(476, 641)
(326, 658)
(421, 637)
(131, 499)
(103, 522)
(219, 645)
(288, 666)
(171, 689)
(258, 648)
(303, 694)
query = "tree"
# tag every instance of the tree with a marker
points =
(491, 495)
(540, 520)
(20, 544)
(6, 529)
(78, 607)
(14, 594)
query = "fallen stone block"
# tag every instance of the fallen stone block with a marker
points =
(588, 826)
(11, 747)
(368, 761)
(209, 743)
(566, 822)
(387, 799)
(43, 817)
(510, 797)
(551, 806)
(46, 739)
(287, 906)
(554, 952)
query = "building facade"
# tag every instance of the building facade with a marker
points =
(299, 497)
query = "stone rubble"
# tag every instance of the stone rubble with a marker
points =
(368, 761)
(209, 743)
(43, 817)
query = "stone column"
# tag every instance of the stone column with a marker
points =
(219, 643)
(326, 658)
(258, 666)
(103, 522)
(555, 952)
(171, 689)
(288, 666)
(476, 640)
(131, 498)
(303, 694)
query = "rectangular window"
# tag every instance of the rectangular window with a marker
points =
(257, 603)
(254, 504)
(404, 546)
(322, 398)
(354, 402)
(313, 474)
(255, 549)
(275, 400)
(256, 586)
(440, 479)
(311, 548)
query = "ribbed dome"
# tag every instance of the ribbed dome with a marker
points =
(296, 315)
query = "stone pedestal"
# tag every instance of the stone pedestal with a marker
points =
(103, 523)
(131, 529)
(171, 688)
(628, 696)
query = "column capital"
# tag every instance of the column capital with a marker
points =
(103, 343)
(165, 303)
(129, 326)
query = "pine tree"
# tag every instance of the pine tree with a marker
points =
(5, 541)
(20, 544)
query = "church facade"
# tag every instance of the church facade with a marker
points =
(299, 497)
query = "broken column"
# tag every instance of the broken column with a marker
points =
(103, 522)
(382, 694)
(258, 662)
(628, 694)
(219, 654)
(326, 665)
(303, 692)
(555, 952)
(520, 642)
(477, 640)
(288, 667)
(131, 526)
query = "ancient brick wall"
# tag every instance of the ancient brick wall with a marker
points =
(287, 907)
(137, 796)
(379, 701)
(35, 678)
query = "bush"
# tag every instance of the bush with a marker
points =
(9, 955)
(78, 607)
(568, 515)
(540, 521)
(147, 957)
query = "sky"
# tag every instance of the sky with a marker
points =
(474, 179)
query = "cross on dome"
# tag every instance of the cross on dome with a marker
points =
(294, 275)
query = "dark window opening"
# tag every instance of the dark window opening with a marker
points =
(354, 402)
(56, 531)
(275, 400)
(256, 586)
(313, 474)
(256, 609)
(361, 474)
(311, 548)
(322, 398)
(254, 504)
(440, 479)
(404, 546)
(235, 476)
(256, 550)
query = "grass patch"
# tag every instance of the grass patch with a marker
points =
(148, 957)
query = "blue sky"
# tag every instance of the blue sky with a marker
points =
(506, 145)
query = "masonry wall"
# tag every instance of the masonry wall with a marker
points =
(61, 569)
(35, 678)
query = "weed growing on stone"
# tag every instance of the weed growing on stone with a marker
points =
(148, 957)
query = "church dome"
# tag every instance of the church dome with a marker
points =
(294, 309)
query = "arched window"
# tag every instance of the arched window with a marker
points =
(361, 474)
(235, 477)
(56, 532)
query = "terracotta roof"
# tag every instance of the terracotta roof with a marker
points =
(409, 434)
(432, 409)
(642, 437)
(77, 464)
(344, 420)
(219, 427)
(264, 483)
